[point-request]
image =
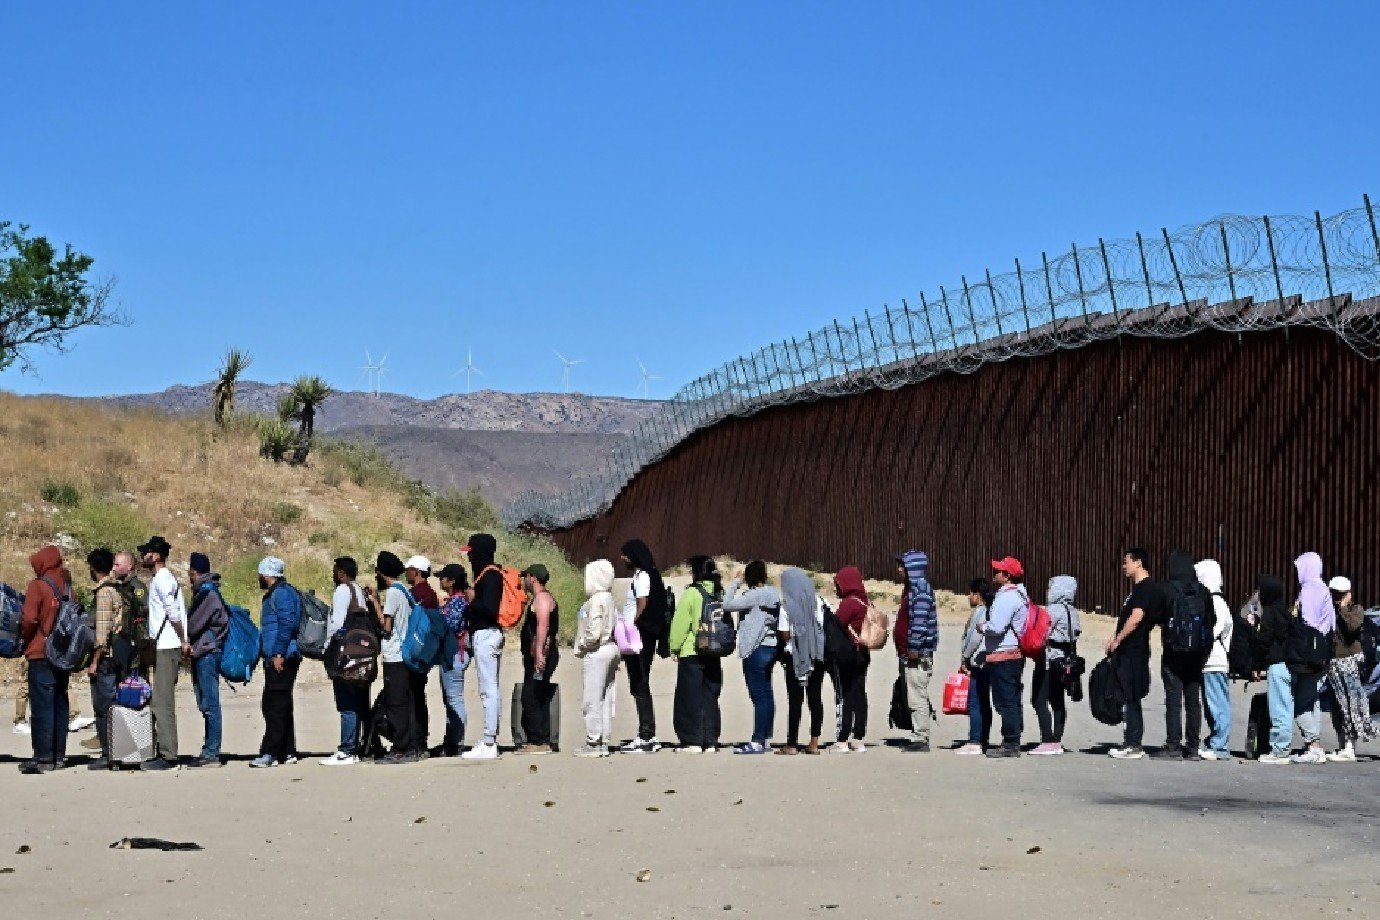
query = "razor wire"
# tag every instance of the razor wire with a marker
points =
(1232, 274)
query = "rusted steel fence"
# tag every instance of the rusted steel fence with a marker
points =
(1249, 448)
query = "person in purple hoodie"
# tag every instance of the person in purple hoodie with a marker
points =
(1316, 611)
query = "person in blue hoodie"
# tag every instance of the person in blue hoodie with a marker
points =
(916, 636)
(278, 622)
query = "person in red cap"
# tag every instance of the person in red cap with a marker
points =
(1005, 664)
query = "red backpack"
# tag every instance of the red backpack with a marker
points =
(1036, 634)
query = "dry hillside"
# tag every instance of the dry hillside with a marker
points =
(86, 474)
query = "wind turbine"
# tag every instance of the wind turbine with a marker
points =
(565, 375)
(646, 378)
(379, 371)
(469, 369)
(370, 370)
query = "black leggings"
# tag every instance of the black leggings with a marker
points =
(639, 669)
(852, 699)
(797, 693)
(1047, 690)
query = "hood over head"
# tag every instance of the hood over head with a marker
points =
(1181, 567)
(481, 548)
(1062, 589)
(1315, 600)
(639, 555)
(849, 583)
(798, 590)
(1271, 589)
(1209, 575)
(598, 577)
(48, 561)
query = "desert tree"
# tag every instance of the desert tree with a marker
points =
(234, 365)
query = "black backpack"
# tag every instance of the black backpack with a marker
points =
(1306, 650)
(839, 649)
(663, 641)
(1370, 642)
(1244, 651)
(900, 716)
(69, 646)
(1188, 628)
(716, 636)
(1105, 699)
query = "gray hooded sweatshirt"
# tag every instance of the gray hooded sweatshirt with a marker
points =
(1065, 626)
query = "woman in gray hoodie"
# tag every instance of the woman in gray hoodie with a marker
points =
(1048, 682)
(760, 607)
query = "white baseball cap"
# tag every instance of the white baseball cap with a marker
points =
(272, 567)
(1340, 583)
(420, 563)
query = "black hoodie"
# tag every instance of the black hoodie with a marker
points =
(1183, 579)
(488, 588)
(652, 623)
(1274, 621)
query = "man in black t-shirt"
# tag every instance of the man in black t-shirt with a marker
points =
(1142, 612)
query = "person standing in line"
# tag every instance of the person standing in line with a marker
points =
(973, 658)
(455, 657)
(486, 637)
(1047, 683)
(699, 678)
(394, 610)
(1142, 610)
(47, 685)
(1182, 671)
(852, 702)
(595, 646)
(1006, 621)
(279, 618)
(416, 571)
(759, 609)
(101, 674)
(1272, 638)
(646, 607)
(917, 639)
(800, 637)
(348, 604)
(1351, 711)
(168, 627)
(208, 624)
(1216, 685)
(1316, 611)
(540, 654)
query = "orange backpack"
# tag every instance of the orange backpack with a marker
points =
(514, 598)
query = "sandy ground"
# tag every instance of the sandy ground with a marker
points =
(875, 835)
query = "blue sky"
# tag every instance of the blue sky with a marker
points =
(679, 182)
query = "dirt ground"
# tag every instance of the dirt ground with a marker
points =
(875, 835)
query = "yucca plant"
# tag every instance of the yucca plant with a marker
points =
(236, 362)
(276, 439)
(307, 393)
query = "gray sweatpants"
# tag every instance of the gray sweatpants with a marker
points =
(599, 669)
(918, 674)
(165, 669)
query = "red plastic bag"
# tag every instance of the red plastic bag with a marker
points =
(956, 694)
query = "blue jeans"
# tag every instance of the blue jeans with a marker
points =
(1279, 685)
(979, 706)
(1006, 698)
(50, 715)
(452, 677)
(1217, 693)
(757, 672)
(352, 702)
(206, 684)
(488, 650)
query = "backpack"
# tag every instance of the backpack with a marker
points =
(240, 654)
(514, 598)
(11, 613)
(130, 644)
(874, 630)
(1105, 699)
(900, 715)
(663, 641)
(1188, 628)
(69, 646)
(1035, 636)
(352, 655)
(839, 649)
(1306, 650)
(314, 627)
(426, 632)
(715, 636)
(1370, 642)
(1243, 652)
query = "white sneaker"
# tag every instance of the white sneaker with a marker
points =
(1343, 755)
(339, 759)
(638, 746)
(691, 749)
(21, 728)
(1273, 758)
(291, 759)
(1205, 754)
(592, 749)
(80, 722)
(838, 747)
(267, 760)
(1127, 753)
(969, 750)
(856, 747)
(1312, 755)
(484, 750)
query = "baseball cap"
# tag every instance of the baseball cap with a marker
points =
(1010, 565)
(420, 563)
(454, 571)
(1340, 583)
(272, 567)
(538, 571)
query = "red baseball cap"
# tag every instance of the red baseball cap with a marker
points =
(1010, 565)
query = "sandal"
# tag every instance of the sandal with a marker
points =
(788, 750)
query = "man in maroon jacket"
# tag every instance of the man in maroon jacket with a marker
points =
(47, 685)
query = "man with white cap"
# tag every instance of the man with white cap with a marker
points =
(416, 573)
(1351, 710)
(279, 619)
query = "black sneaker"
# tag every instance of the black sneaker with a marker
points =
(441, 750)
(35, 767)
(1004, 751)
(206, 762)
(1191, 753)
(158, 763)
(99, 763)
(918, 747)
(1166, 753)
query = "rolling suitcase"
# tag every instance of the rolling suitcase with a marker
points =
(1258, 727)
(131, 736)
(519, 736)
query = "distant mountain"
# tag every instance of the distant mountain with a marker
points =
(487, 410)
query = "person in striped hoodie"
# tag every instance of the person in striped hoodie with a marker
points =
(916, 636)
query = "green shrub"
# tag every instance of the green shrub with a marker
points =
(62, 494)
(104, 523)
(286, 513)
(363, 464)
(277, 439)
(239, 579)
(466, 511)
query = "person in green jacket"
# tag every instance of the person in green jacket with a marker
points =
(698, 678)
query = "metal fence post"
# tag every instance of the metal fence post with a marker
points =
(1374, 234)
(1226, 256)
(1327, 267)
(1049, 291)
(1174, 263)
(1111, 283)
(1020, 281)
(1082, 294)
(1145, 271)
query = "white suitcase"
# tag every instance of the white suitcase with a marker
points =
(131, 736)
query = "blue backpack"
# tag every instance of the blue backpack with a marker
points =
(11, 612)
(425, 636)
(240, 654)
